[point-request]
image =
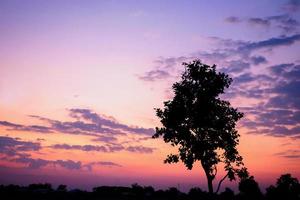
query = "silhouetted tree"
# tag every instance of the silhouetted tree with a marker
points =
(249, 189)
(201, 124)
(287, 187)
(287, 183)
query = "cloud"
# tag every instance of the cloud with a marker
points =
(233, 19)
(15, 150)
(139, 149)
(235, 56)
(36, 163)
(292, 6)
(289, 89)
(105, 139)
(275, 130)
(14, 146)
(229, 48)
(244, 78)
(279, 113)
(104, 129)
(164, 68)
(80, 147)
(19, 127)
(286, 91)
(259, 21)
(169, 62)
(236, 66)
(109, 122)
(287, 96)
(105, 149)
(77, 127)
(18, 151)
(154, 75)
(90, 166)
(86, 122)
(280, 69)
(270, 43)
(31, 162)
(68, 164)
(284, 23)
(256, 60)
(289, 154)
(107, 163)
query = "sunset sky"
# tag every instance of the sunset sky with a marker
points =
(79, 81)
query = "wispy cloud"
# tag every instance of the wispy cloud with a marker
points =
(290, 154)
(35, 163)
(14, 146)
(232, 19)
(292, 6)
(18, 151)
(284, 23)
(155, 75)
(30, 128)
(90, 165)
(107, 149)
(86, 122)
(270, 43)
(259, 21)
(140, 149)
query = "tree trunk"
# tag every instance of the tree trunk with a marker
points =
(209, 183)
(208, 177)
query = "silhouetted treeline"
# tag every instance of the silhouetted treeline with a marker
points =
(286, 188)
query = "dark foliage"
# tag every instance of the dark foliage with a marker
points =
(201, 124)
(287, 188)
(249, 189)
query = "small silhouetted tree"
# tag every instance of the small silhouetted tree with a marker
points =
(200, 124)
(249, 189)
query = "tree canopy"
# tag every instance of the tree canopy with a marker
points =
(201, 124)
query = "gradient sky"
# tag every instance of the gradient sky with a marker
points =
(79, 81)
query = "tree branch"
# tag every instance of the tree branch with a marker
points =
(219, 185)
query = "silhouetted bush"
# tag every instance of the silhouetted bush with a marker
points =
(61, 188)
